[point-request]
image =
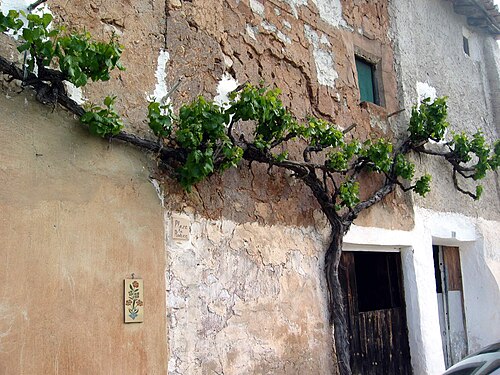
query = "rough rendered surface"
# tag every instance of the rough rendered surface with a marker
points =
(78, 216)
(245, 294)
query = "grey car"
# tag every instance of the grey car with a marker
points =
(484, 362)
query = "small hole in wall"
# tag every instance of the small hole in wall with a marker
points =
(466, 45)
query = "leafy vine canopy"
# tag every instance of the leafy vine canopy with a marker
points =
(201, 137)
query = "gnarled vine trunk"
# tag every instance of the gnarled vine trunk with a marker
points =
(336, 299)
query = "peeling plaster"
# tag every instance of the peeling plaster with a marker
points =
(323, 59)
(232, 310)
(331, 12)
(257, 7)
(159, 191)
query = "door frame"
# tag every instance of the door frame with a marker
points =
(382, 316)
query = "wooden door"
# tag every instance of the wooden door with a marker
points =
(373, 292)
(450, 303)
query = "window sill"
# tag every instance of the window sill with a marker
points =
(374, 109)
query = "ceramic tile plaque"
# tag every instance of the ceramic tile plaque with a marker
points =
(180, 228)
(134, 301)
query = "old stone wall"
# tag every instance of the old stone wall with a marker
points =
(77, 217)
(305, 48)
(245, 294)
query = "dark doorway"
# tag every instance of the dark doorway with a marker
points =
(373, 292)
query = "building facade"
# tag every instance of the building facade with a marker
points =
(241, 289)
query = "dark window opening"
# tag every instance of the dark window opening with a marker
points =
(466, 46)
(377, 280)
(437, 269)
(366, 79)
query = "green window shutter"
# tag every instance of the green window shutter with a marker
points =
(365, 80)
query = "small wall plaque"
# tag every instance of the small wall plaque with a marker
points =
(180, 228)
(134, 301)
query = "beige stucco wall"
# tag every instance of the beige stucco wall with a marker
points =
(77, 216)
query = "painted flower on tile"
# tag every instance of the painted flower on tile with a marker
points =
(133, 300)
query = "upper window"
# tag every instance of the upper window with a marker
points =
(366, 80)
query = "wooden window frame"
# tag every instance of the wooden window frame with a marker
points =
(376, 64)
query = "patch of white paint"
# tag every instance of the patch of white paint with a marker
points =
(251, 31)
(331, 12)
(325, 67)
(161, 89)
(287, 24)
(294, 4)
(424, 90)
(225, 86)
(323, 59)
(257, 7)
(324, 40)
(273, 29)
(74, 92)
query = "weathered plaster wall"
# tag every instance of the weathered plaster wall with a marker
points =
(428, 35)
(77, 216)
(305, 48)
(247, 299)
(430, 60)
(310, 56)
(245, 295)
